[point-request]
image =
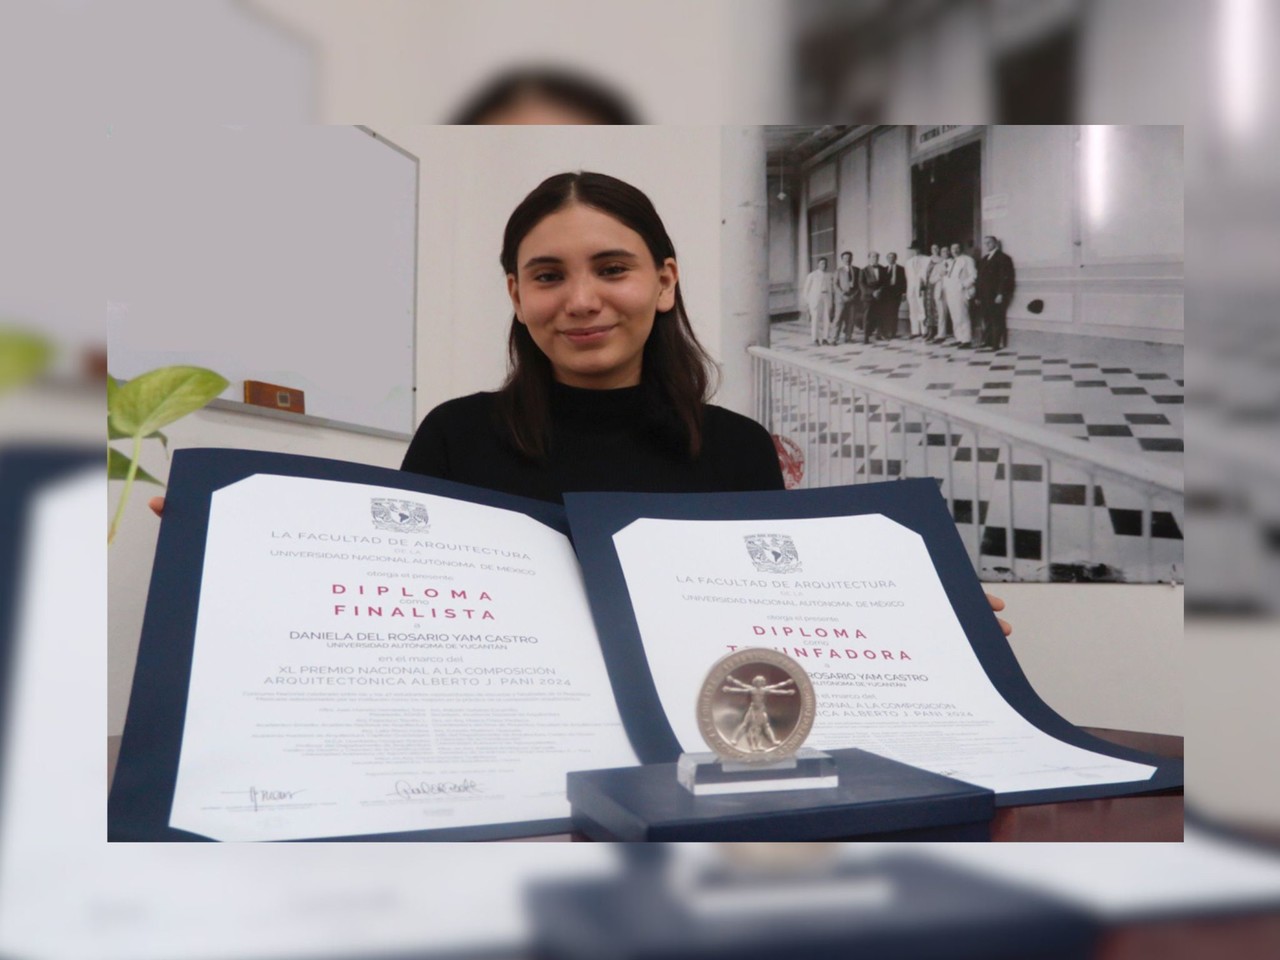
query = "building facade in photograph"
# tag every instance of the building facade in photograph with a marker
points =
(1028, 353)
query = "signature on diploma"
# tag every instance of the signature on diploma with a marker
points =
(259, 797)
(439, 788)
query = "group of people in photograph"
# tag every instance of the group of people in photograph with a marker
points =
(951, 298)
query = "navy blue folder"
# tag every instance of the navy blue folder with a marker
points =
(877, 799)
(143, 788)
(916, 504)
(936, 911)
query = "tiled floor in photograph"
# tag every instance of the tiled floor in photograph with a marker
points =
(1116, 394)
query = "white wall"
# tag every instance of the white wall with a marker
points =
(873, 208)
(822, 182)
(1131, 194)
(853, 226)
(744, 263)
(1232, 775)
(294, 229)
(890, 193)
(1102, 655)
(1030, 168)
(784, 284)
(1093, 220)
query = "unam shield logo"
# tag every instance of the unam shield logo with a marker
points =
(773, 553)
(402, 516)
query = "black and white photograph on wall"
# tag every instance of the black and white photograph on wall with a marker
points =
(999, 308)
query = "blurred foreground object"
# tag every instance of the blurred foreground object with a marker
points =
(545, 95)
(1213, 896)
(202, 60)
(560, 61)
(780, 856)
(24, 355)
(1010, 61)
(1233, 416)
(739, 61)
(52, 660)
(895, 906)
(1233, 336)
(760, 61)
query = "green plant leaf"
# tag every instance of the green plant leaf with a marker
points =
(113, 433)
(113, 387)
(158, 397)
(22, 357)
(118, 468)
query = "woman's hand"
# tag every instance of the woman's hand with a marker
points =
(996, 603)
(157, 507)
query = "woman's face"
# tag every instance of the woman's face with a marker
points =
(587, 290)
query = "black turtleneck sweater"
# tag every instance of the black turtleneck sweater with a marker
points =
(600, 440)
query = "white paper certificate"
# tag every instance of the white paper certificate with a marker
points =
(857, 602)
(372, 660)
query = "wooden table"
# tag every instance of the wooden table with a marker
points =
(1152, 817)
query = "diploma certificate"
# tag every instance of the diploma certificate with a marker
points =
(857, 602)
(868, 588)
(378, 660)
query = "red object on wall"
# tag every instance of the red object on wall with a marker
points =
(791, 460)
(274, 396)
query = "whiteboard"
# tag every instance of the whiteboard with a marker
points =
(282, 254)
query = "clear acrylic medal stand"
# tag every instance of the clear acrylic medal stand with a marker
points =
(707, 774)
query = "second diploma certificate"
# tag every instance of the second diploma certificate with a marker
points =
(864, 588)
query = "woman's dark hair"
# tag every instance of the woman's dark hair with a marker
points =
(587, 96)
(675, 370)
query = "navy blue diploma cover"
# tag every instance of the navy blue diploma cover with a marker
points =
(146, 773)
(877, 799)
(916, 504)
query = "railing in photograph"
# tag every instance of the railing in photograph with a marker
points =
(1004, 480)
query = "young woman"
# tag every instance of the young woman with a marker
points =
(607, 384)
